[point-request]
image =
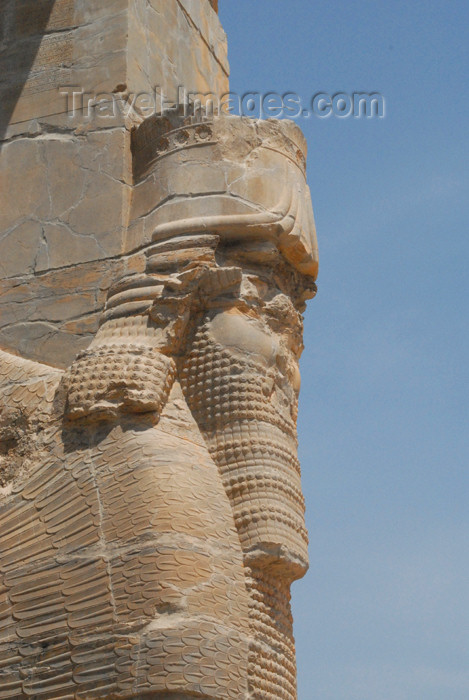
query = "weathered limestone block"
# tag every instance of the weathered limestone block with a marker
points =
(66, 177)
(112, 46)
(152, 519)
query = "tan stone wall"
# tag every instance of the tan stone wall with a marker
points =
(65, 183)
(100, 46)
(175, 44)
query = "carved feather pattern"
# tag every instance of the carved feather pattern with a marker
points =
(120, 568)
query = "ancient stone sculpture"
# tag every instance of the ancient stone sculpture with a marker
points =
(151, 517)
(151, 514)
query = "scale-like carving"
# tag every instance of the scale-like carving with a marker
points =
(151, 517)
(121, 572)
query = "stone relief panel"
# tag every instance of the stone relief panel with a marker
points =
(151, 514)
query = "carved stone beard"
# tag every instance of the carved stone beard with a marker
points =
(239, 405)
(241, 382)
(245, 406)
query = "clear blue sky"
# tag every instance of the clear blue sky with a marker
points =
(384, 612)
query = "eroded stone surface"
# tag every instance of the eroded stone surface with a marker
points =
(154, 280)
(113, 45)
(65, 177)
(121, 571)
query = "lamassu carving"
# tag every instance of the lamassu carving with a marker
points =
(151, 517)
